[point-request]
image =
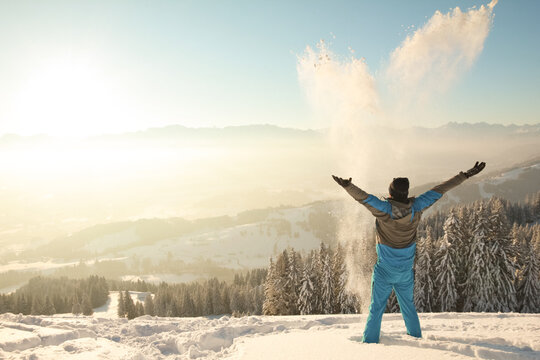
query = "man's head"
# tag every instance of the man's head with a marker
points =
(399, 189)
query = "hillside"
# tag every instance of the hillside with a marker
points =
(180, 250)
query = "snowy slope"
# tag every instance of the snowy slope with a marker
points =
(233, 244)
(237, 247)
(446, 336)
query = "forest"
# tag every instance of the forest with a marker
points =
(479, 257)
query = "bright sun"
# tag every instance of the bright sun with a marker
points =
(67, 97)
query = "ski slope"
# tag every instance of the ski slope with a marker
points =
(446, 336)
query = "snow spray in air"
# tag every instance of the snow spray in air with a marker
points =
(347, 97)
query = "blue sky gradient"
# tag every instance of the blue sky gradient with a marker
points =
(220, 63)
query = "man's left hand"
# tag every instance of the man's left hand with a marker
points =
(342, 182)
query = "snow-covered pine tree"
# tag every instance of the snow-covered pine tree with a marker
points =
(344, 302)
(480, 287)
(225, 301)
(445, 264)
(49, 308)
(536, 239)
(503, 252)
(317, 281)
(129, 306)
(270, 297)
(121, 311)
(462, 249)
(294, 273)
(86, 306)
(327, 283)
(423, 277)
(517, 237)
(445, 280)
(37, 306)
(149, 305)
(306, 295)
(528, 292)
(282, 285)
(139, 309)
(76, 305)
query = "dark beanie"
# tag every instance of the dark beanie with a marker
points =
(399, 189)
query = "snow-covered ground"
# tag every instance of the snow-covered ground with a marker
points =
(446, 336)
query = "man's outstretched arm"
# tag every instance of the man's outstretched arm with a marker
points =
(428, 198)
(372, 203)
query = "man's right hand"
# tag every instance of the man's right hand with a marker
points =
(342, 182)
(475, 169)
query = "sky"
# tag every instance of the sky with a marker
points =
(90, 67)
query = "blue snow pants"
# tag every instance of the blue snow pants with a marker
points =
(386, 277)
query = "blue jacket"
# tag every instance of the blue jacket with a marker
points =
(396, 223)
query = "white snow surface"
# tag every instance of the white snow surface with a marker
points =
(446, 336)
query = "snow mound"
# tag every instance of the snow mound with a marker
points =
(446, 336)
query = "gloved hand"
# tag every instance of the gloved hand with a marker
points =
(475, 169)
(342, 182)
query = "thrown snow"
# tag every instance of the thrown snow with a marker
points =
(446, 336)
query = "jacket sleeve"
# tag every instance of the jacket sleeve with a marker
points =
(429, 198)
(377, 207)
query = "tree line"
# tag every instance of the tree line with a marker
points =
(244, 296)
(49, 296)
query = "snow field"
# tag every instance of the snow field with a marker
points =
(446, 336)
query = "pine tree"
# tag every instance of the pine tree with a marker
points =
(76, 305)
(37, 306)
(327, 284)
(480, 287)
(445, 280)
(295, 263)
(270, 296)
(149, 305)
(129, 306)
(517, 237)
(139, 309)
(503, 252)
(317, 280)
(49, 308)
(462, 249)
(282, 286)
(305, 298)
(344, 302)
(529, 285)
(423, 276)
(86, 306)
(445, 264)
(225, 301)
(121, 311)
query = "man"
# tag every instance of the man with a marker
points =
(397, 219)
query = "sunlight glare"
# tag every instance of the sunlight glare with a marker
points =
(68, 97)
